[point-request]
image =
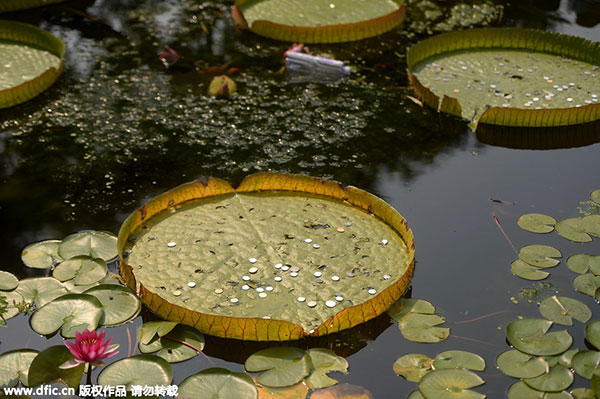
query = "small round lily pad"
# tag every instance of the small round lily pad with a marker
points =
(530, 336)
(284, 365)
(324, 361)
(540, 255)
(11, 298)
(119, 304)
(587, 284)
(564, 358)
(40, 290)
(520, 365)
(413, 366)
(526, 271)
(562, 310)
(137, 370)
(419, 327)
(595, 195)
(218, 383)
(180, 344)
(95, 244)
(41, 255)
(14, 366)
(450, 384)
(592, 333)
(8, 281)
(586, 363)
(581, 263)
(459, 359)
(557, 379)
(579, 229)
(82, 270)
(520, 390)
(536, 223)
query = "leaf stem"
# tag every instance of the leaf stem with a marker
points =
(480, 317)
(505, 236)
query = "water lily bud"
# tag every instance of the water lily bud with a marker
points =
(222, 86)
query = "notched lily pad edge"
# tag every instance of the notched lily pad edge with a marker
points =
(510, 38)
(321, 34)
(256, 328)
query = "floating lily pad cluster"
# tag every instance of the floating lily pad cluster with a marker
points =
(417, 320)
(509, 77)
(279, 258)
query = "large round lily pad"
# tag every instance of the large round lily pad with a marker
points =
(278, 258)
(218, 383)
(509, 77)
(530, 336)
(314, 21)
(137, 370)
(32, 60)
(14, 366)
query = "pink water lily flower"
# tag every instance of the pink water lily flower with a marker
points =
(89, 347)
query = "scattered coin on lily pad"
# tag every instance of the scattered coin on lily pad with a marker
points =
(148, 330)
(450, 384)
(595, 195)
(530, 336)
(181, 343)
(342, 391)
(283, 366)
(45, 368)
(218, 383)
(526, 271)
(586, 363)
(579, 229)
(536, 223)
(73, 312)
(587, 284)
(137, 370)
(562, 310)
(96, 244)
(592, 333)
(521, 365)
(557, 379)
(540, 256)
(413, 366)
(581, 263)
(82, 270)
(41, 255)
(119, 304)
(40, 290)
(14, 366)
(459, 359)
(8, 281)
(324, 361)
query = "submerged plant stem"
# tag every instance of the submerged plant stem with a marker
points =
(480, 317)
(505, 236)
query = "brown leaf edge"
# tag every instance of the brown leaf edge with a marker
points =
(13, 5)
(254, 328)
(527, 39)
(33, 36)
(328, 33)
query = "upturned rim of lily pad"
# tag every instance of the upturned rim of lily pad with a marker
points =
(515, 39)
(15, 5)
(31, 36)
(258, 328)
(333, 33)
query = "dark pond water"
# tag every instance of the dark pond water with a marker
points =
(117, 129)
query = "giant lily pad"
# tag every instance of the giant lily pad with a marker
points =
(509, 77)
(120, 304)
(137, 370)
(520, 365)
(13, 5)
(73, 312)
(279, 258)
(14, 366)
(218, 383)
(581, 263)
(450, 384)
(96, 244)
(579, 229)
(285, 365)
(530, 336)
(40, 290)
(563, 310)
(310, 21)
(32, 60)
(41, 255)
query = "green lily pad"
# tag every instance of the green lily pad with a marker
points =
(520, 365)
(526, 271)
(493, 77)
(41, 255)
(579, 229)
(323, 362)
(592, 333)
(530, 336)
(8, 281)
(459, 359)
(564, 358)
(587, 284)
(14, 366)
(268, 260)
(581, 263)
(405, 306)
(180, 344)
(342, 391)
(595, 382)
(562, 310)
(120, 304)
(137, 370)
(12, 5)
(73, 312)
(45, 368)
(285, 365)
(536, 223)
(32, 61)
(419, 327)
(415, 395)
(583, 393)
(147, 331)
(95, 244)
(520, 390)
(318, 22)
(540, 255)
(83, 270)
(413, 366)
(586, 363)
(218, 383)
(450, 384)
(40, 290)
(11, 298)
(595, 195)
(557, 379)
